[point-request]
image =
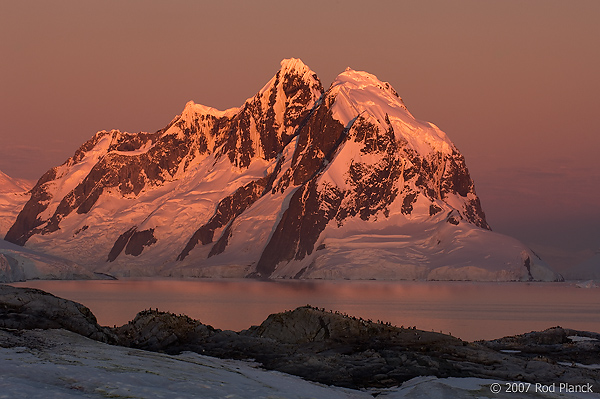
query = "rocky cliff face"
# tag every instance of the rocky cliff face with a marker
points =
(298, 182)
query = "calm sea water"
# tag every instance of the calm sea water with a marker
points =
(470, 311)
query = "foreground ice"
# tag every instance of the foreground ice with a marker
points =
(61, 364)
(68, 365)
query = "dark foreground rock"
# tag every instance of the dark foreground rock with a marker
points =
(29, 308)
(554, 344)
(325, 346)
(346, 351)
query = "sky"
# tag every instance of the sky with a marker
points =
(514, 84)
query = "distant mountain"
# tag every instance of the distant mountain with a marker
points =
(18, 263)
(299, 182)
(13, 195)
(586, 270)
(11, 185)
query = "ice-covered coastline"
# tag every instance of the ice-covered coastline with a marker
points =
(45, 352)
(62, 364)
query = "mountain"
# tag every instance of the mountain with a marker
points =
(299, 182)
(11, 185)
(18, 263)
(588, 269)
(13, 195)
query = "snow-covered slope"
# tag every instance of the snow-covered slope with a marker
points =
(13, 195)
(11, 185)
(299, 182)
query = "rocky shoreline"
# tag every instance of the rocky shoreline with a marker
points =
(319, 345)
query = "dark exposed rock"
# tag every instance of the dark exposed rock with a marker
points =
(407, 207)
(553, 344)
(434, 209)
(81, 229)
(300, 226)
(27, 308)
(129, 142)
(305, 218)
(453, 220)
(527, 264)
(139, 240)
(374, 187)
(222, 242)
(307, 324)
(227, 210)
(133, 241)
(160, 331)
(27, 221)
(260, 113)
(456, 179)
(336, 349)
(318, 138)
(120, 244)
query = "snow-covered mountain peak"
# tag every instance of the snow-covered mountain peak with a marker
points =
(358, 91)
(297, 182)
(295, 65)
(363, 80)
(267, 121)
(292, 76)
(362, 93)
(192, 109)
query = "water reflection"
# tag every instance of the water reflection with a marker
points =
(470, 311)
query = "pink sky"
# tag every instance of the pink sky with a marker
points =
(514, 84)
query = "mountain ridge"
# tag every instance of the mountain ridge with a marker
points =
(266, 189)
(10, 184)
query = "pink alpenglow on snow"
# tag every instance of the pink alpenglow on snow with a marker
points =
(298, 182)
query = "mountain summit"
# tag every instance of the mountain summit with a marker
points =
(299, 182)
